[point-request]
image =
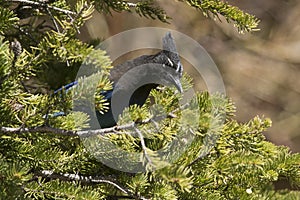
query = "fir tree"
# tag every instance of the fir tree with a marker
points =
(43, 156)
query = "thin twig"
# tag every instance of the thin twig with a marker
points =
(77, 16)
(85, 133)
(68, 12)
(143, 145)
(85, 179)
(76, 177)
(53, 19)
(40, 129)
(57, 131)
(156, 125)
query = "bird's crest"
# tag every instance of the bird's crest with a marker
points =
(169, 48)
(169, 43)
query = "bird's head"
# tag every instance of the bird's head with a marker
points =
(169, 59)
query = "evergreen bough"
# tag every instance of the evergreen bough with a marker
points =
(42, 156)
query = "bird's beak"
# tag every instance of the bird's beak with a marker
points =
(176, 82)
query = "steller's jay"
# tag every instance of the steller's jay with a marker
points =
(143, 74)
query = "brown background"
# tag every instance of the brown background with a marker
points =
(261, 70)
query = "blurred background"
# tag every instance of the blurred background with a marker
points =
(261, 70)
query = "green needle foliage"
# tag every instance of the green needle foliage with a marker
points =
(243, 21)
(42, 156)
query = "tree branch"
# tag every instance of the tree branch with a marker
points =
(68, 12)
(40, 129)
(85, 133)
(86, 179)
(143, 146)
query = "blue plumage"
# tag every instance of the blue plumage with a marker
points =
(161, 68)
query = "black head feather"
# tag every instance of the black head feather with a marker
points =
(169, 55)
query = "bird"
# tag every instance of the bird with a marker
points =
(142, 75)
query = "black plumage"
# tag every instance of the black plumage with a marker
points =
(141, 74)
(133, 80)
